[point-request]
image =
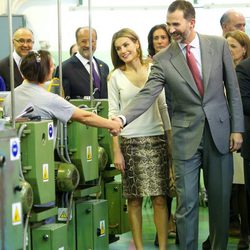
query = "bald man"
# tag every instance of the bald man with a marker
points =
(232, 20)
(76, 69)
(23, 41)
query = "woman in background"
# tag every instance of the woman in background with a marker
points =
(141, 153)
(239, 45)
(158, 39)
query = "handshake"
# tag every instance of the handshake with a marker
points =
(117, 126)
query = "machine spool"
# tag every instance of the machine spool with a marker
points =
(102, 158)
(68, 177)
(26, 196)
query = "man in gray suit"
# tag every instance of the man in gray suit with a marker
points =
(206, 124)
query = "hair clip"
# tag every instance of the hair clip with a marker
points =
(38, 58)
(37, 55)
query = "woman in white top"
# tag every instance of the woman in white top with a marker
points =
(141, 153)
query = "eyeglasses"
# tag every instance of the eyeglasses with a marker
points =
(22, 41)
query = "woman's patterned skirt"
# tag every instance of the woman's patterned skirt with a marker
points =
(146, 166)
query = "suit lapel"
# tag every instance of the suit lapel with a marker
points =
(17, 75)
(101, 72)
(206, 59)
(84, 73)
(179, 62)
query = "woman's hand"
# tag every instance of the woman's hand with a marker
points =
(119, 161)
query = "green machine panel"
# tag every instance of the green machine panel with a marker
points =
(104, 137)
(117, 208)
(50, 237)
(92, 227)
(11, 218)
(72, 229)
(83, 150)
(37, 156)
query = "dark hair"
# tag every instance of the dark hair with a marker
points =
(185, 6)
(84, 27)
(151, 50)
(224, 19)
(35, 66)
(125, 32)
(71, 49)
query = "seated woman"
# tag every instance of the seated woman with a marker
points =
(37, 68)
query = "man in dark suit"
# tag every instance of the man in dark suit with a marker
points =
(243, 74)
(206, 123)
(23, 43)
(76, 70)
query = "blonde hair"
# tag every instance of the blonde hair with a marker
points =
(125, 32)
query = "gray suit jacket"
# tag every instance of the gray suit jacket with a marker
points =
(223, 112)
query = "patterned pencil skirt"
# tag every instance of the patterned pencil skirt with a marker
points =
(146, 166)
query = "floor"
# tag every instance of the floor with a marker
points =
(126, 243)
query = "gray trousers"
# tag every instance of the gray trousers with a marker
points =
(218, 177)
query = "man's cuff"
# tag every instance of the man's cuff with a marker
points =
(123, 119)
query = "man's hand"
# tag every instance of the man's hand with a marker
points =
(235, 141)
(117, 127)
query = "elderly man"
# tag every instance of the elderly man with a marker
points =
(23, 43)
(76, 69)
(232, 20)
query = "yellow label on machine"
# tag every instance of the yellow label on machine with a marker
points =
(89, 153)
(63, 214)
(102, 227)
(45, 172)
(16, 213)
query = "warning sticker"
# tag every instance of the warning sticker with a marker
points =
(50, 131)
(89, 153)
(16, 213)
(63, 214)
(45, 172)
(102, 227)
(14, 149)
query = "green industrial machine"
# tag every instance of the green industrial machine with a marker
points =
(38, 167)
(111, 190)
(37, 155)
(117, 208)
(50, 237)
(92, 224)
(85, 210)
(76, 204)
(104, 137)
(11, 215)
(83, 150)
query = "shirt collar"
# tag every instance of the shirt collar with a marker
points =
(83, 60)
(17, 58)
(194, 43)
